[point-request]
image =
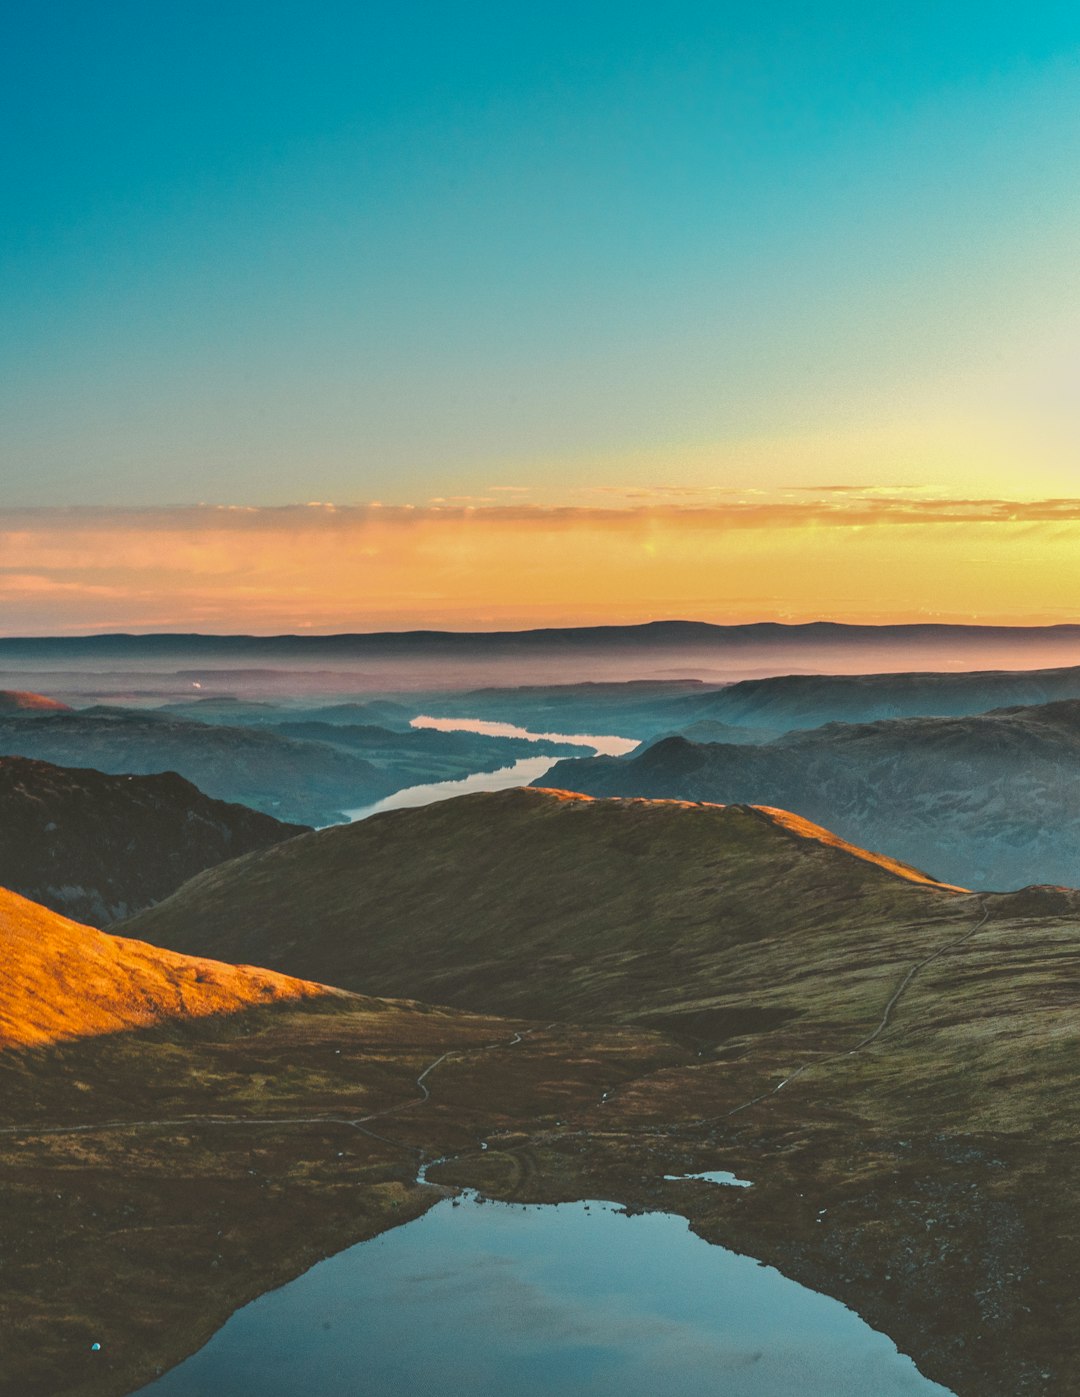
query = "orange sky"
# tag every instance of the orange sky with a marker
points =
(842, 554)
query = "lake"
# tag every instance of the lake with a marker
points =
(486, 1299)
(519, 773)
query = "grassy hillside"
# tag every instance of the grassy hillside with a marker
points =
(890, 1061)
(62, 980)
(990, 801)
(544, 903)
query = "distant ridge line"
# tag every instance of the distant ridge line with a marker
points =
(647, 634)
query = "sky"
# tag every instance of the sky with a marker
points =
(483, 315)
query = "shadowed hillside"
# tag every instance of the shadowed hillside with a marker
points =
(97, 847)
(546, 903)
(302, 782)
(990, 800)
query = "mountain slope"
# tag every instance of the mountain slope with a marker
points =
(96, 847)
(990, 801)
(22, 703)
(548, 903)
(65, 981)
(792, 701)
(305, 782)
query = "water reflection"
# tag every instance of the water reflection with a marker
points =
(578, 1300)
(606, 745)
(520, 773)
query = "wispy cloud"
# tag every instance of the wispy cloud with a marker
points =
(850, 552)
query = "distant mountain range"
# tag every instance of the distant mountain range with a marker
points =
(81, 668)
(97, 848)
(756, 710)
(300, 782)
(989, 800)
(652, 633)
(809, 700)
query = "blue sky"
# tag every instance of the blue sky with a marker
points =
(267, 254)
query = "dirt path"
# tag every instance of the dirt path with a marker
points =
(886, 1017)
(359, 1123)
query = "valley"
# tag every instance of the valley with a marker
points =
(544, 998)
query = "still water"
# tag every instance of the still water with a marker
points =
(520, 773)
(578, 1300)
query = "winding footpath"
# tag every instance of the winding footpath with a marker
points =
(886, 1017)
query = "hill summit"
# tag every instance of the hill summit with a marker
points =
(543, 902)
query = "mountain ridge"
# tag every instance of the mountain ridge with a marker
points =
(986, 800)
(489, 902)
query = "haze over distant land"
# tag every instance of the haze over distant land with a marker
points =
(168, 665)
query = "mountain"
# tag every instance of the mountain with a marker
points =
(755, 710)
(635, 708)
(655, 634)
(259, 667)
(64, 981)
(96, 847)
(21, 703)
(540, 903)
(810, 700)
(990, 800)
(237, 712)
(295, 781)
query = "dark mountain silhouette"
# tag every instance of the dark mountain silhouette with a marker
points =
(96, 848)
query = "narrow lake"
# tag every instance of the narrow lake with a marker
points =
(519, 773)
(574, 1300)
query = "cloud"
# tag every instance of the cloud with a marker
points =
(850, 553)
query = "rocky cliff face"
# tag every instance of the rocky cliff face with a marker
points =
(97, 848)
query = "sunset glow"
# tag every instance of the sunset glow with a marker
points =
(846, 555)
